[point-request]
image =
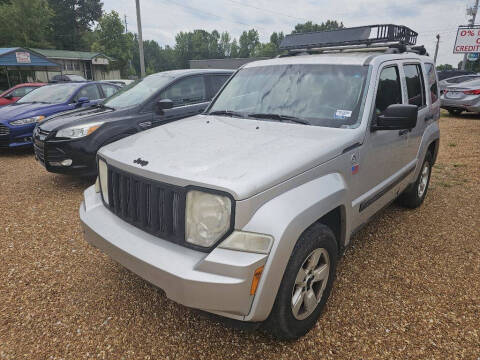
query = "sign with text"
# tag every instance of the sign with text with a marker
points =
(23, 57)
(468, 40)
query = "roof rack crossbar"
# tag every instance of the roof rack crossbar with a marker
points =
(356, 36)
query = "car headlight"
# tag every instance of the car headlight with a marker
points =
(79, 131)
(30, 120)
(103, 178)
(207, 217)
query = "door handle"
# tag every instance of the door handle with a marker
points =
(403, 132)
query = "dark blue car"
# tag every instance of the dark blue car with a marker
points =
(18, 120)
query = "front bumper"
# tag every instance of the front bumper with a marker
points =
(218, 282)
(50, 153)
(15, 136)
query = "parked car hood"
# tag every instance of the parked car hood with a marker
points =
(24, 110)
(240, 156)
(79, 116)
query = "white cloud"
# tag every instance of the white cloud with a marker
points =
(162, 19)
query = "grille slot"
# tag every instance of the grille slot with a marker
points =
(4, 130)
(151, 206)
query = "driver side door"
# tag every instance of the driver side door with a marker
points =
(382, 158)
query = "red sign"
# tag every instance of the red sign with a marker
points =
(23, 57)
(468, 40)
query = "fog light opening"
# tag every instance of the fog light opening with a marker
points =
(66, 162)
(256, 279)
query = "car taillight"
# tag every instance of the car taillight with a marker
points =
(472, 92)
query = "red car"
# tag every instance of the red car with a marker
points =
(18, 91)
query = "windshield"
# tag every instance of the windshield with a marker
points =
(320, 95)
(138, 92)
(51, 94)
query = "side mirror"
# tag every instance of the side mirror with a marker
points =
(8, 96)
(397, 117)
(164, 104)
(83, 100)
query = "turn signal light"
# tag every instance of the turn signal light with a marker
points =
(472, 92)
(256, 279)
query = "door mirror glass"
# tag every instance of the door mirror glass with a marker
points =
(9, 96)
(397, 117)
(164, 104)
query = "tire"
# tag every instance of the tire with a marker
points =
(414, 195)
(285, 322)
(455, 112)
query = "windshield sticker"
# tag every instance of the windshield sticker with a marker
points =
(343, 114)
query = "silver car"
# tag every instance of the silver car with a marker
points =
(456, 80)
(244, 210)
(462, 97)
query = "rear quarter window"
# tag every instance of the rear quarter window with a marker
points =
(432, 82)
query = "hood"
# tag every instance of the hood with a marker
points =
(79, 116)
(21, 111)
(240, 156)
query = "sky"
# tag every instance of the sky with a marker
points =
(162, 19)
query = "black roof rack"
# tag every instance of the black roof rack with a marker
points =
(357, 37)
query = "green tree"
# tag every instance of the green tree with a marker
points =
(248, 41)
(444, 67)
(25, 23)
(234, 49)
(72, 20)
(225, 45)
(112, 41)
(324, 26)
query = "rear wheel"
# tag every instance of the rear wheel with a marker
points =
(414, 195)
(455, 112)
(306, 284)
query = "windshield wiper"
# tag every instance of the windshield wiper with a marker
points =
(280, 118)
(227, 113)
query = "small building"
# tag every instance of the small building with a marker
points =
(18, 65)
(227, 63)
(90, 65)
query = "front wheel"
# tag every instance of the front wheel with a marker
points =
(306, 284)
(415, 194)
(455, 112)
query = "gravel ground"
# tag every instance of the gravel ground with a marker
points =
(408, 287)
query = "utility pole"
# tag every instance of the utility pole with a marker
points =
(473, 12)
(126, 28)
(436, 49)
(140, 40)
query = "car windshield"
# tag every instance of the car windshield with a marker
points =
(320, 95)
(52, 94)
(139, 91)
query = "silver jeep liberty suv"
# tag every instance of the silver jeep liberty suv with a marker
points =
(243, 210)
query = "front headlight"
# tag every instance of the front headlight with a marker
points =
(79, 131)
(103, 178)
(207, 217)
(30, 120)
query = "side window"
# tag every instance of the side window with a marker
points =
(186, 91)
(216, 82)
(90, 91)
(432, 82)
(389, 89)
(108, 90)
(415, 88)
(19, 92)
